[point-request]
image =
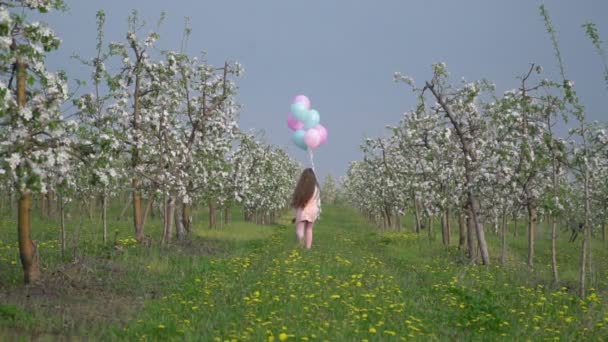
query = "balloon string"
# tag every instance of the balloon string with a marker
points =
(312, 162)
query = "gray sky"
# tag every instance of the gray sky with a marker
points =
(343, 54)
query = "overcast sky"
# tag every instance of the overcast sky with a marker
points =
(343, 54)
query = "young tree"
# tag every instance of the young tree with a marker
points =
(32, 130)
(459, 106)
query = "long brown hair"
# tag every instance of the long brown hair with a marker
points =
(304, 189)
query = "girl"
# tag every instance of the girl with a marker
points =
(306, 201)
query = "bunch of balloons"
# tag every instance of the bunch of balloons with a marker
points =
(308, 132)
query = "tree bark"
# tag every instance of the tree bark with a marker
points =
(397, 221)
(445, 228)
(27, 248)
(503, 242)
(471, 235)
(387, 213)
(430, 228)
(168, 221)
(187, 217)
(480, 235)
(227, 215)
(104, 216)
(148, 209)
(554, 250)
(212, 215)
(531, 233)
(137, 212)
(462, 230)
(63, 232)
(416, 214)
(179, 223)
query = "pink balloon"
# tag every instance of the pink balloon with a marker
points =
(312, 138)
(303, 99)
(322, 132)
(293, 123)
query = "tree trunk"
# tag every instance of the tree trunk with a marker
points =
(480, 235)
(387, 213)
(221, 211)
(27, 248)
(148, 209)
(605, 220)
(430, 228)
(503, 242)
(137, 212)
(104, 216)
(397, 221)
(462, 232)
(169, 212)
(227, 215)
(417, 215)
(554, 250)
(187, 217)
(531, 233)
(445, 228)
(515, 224)
(63, 232)
(212, 215)
(137, 207)
(471, 235)
(583, 264)
(586, 237)
(179, 223)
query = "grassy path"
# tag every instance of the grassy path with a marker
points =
(339, 290)
(248, 282)
(357, 285)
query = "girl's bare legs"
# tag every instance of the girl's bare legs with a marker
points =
(300, 231)
(308, 234)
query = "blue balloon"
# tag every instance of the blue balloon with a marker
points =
(299, 111)
(298, 139)
(312, 120)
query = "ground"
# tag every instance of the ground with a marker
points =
(249, 282)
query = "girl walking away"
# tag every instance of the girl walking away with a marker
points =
(306, 201)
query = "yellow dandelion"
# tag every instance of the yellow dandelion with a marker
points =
(372, 330)
(283, 336)
(161, 326)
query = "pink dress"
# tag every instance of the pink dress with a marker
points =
(310, 212)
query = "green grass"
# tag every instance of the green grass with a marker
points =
(251, 282)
